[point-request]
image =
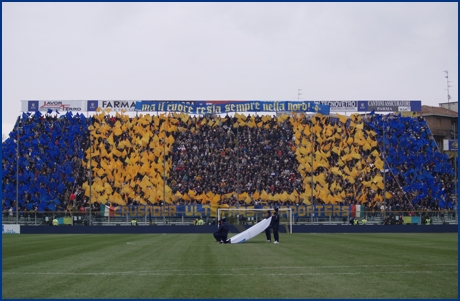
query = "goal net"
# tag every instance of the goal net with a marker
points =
(250, 216)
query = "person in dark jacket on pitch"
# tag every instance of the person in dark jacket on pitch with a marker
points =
(275, 224)
(268, 232)
(222, 232)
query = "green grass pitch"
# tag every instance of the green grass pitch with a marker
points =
(186, 266)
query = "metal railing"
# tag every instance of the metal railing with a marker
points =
(33, 218)
(384, 218)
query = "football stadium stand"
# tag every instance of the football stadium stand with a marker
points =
(74, 163)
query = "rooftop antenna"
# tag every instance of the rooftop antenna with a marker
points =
(298, 94)
(448, 86)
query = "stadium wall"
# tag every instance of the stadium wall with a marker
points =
(211, 229)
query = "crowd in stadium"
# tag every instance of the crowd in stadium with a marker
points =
(213, 159)
(49, 164)
(275, 160)
(417, 171)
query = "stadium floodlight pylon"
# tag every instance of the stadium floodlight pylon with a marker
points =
(256, 215)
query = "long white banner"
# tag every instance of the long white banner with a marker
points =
(251, 232)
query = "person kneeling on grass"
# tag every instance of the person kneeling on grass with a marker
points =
(222, 232)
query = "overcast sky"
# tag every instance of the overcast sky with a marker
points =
(227, 51)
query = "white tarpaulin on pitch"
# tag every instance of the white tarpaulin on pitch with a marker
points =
(251, 232)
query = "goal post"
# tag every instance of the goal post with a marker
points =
(251, 216)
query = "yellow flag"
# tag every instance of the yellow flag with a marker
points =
(215, 199)
(367, 146)
(284, 196)
(227, 195)
(378, 163)
(340, 163)
(264, 195)
(335, 170)
(306, 201)
(342, 118)
(247, 200)
(375, 153)
(367, 183)
(356, 156)
(243, 196)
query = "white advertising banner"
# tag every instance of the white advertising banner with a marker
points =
(118, 105)
(62, 106)
(340, 105)
(11, 229)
